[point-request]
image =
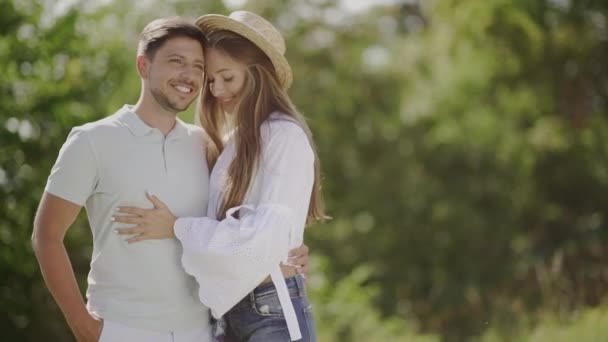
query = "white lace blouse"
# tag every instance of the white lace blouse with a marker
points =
(230, 257)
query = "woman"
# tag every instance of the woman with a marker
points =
(264, 187)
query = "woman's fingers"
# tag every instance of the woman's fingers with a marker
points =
(131, 211)
(138, 232)
(129, 231)
(137, 238)
(299, 251)
(147, 223)
(127, 219)
(157, 203)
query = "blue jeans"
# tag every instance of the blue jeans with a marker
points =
(259, 318)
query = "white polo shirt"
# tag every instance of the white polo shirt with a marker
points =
(113, 162)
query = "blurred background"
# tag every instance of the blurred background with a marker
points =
(464, 146)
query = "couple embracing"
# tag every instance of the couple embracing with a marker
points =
(197, 229)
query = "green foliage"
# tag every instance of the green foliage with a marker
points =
(53, 79)
(586, 326)
(344, 311)
(514, 170)
(470, 172)
(463, 146)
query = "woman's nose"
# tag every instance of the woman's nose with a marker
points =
(216, 89)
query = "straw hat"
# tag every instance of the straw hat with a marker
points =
(259, 31)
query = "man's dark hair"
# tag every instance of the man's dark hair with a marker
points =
(156, 33)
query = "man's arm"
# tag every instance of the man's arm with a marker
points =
(54, 217)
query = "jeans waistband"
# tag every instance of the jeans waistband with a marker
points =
(296, 286)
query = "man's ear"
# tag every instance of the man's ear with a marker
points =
(142, 66)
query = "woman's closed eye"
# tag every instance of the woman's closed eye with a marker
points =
(226, 80)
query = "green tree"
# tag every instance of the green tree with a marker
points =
(462, 143)
(482, 196)
(53, 79)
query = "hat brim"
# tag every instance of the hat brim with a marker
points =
(213, 22)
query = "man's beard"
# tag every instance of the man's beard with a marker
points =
(163, 101)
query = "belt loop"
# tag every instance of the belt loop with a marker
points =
(297, 285)
(301, 285)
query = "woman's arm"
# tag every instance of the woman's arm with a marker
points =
(287, 167)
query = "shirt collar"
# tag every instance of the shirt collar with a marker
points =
(139, 128)
(179, 130)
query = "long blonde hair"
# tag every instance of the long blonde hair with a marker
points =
(263, 93)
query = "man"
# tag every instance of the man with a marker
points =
(135, 293)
